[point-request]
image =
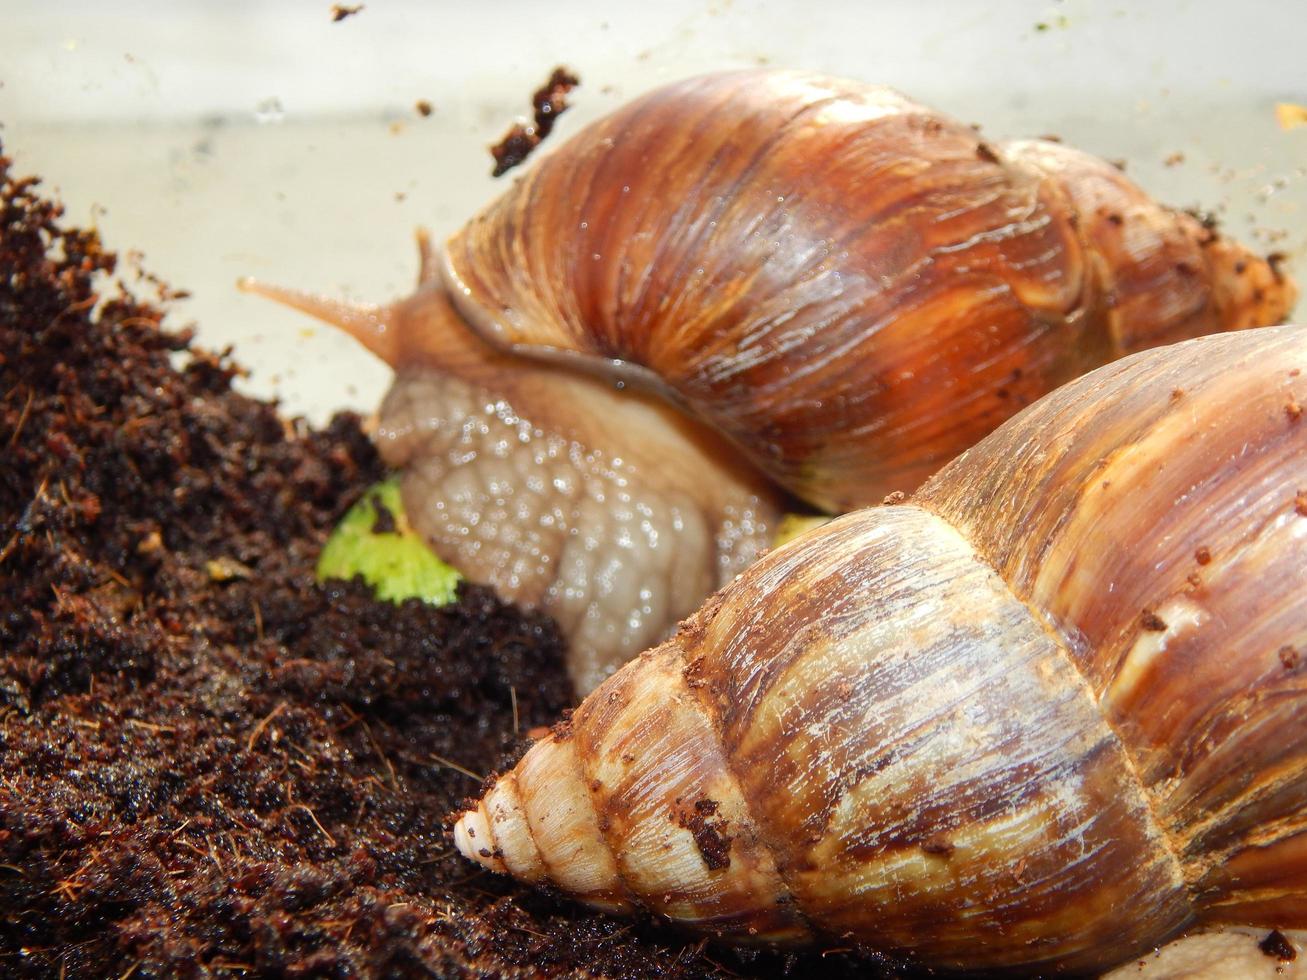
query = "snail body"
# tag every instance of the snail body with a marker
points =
(745, 285)
(1044, 715)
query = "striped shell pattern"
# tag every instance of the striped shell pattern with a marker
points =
(1047, 713)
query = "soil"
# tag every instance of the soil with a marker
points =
(548, 102)
(211, 764)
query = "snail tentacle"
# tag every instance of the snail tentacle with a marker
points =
(371, 325)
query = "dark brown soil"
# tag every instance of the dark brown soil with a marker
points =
(210, 764)
(548, 102)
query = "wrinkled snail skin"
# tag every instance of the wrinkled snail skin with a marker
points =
(1043, 716)
(608, 509)
(747, 281)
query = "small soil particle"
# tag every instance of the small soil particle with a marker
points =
(384, 522)
(339, 11)
(1152, 622)
(938, 845)
(1277, 946)
(709, 832)
(548, 102)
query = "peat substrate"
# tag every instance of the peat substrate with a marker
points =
(210, 763)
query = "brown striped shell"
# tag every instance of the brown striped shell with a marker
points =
(852, 287)
(1044, 715)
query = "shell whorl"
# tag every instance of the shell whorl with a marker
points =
(853, 288)
(1159, 518)
(1017, 722)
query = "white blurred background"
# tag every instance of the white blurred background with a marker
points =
(266, 139)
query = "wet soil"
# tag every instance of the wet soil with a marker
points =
(211, 764)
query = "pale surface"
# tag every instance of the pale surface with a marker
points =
(146, 120)
(1230, 955)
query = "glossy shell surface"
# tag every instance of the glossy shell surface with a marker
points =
(852, 287)
(1047, 713)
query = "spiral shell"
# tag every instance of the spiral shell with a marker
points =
(850, 286)
(1044, 715)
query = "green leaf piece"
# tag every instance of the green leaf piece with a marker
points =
(374, 539)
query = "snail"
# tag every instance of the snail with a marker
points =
(1044, 715)
(742, 286)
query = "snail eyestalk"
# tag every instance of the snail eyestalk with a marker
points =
(371, 325)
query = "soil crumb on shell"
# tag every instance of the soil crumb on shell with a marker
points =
(709, 832)
(239, 775)
(548, 102)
